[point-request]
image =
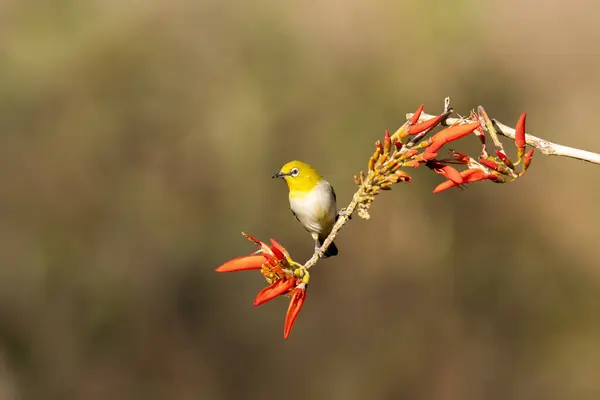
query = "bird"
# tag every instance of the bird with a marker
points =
(313, 202)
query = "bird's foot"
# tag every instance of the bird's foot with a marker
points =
(320, 254)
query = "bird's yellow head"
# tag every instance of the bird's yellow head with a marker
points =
(299, 176)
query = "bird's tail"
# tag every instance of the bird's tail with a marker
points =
(331, 251)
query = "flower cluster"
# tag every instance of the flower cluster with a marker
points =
(407, 147)
(285, 277)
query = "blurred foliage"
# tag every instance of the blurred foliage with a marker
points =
(137, 140)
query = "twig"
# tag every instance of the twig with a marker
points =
(336, 228)
(544, 146)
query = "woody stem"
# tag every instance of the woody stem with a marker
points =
(341, 221)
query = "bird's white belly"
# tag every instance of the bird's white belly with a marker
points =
(317, 210)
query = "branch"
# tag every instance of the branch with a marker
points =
(341, 221)
(544, 146)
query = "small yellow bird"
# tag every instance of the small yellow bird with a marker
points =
(312, 200)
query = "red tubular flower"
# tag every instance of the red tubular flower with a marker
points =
(298, 296)
(444, 186)
(455, 132)
(245, 263)
(423, 126)
(277, 288)
(460, 157)
(435, 146)
(449, 135)
(279, 251)
(415, 118)
(469, 175)
(489, 164)
(520, 135)
(446, 170)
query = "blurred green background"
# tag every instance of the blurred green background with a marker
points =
(137, 139)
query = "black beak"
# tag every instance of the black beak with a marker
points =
(278, 175)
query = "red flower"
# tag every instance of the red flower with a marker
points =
(425, 125)
(298, 295)
(489, 164)
(468, 176)
(245, 263)
(415, 118)
(455, 132)
(446, 170)
(285, 276)
(276, 288)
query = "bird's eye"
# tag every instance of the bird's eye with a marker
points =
(294, 172)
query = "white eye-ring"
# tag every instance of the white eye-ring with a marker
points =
(294, 172)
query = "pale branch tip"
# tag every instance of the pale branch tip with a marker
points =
(544, 146)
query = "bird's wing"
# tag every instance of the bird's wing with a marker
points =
(333, 192)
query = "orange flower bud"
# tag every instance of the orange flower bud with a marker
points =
(426, 156)
(520, 131)
(387, 142)
(505, 159)
(412, 163)
(409, 154)
(402, 176)
(527, 159)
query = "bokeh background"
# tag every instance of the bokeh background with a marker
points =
(137, 139)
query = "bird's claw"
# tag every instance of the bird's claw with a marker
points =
(319, 252)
